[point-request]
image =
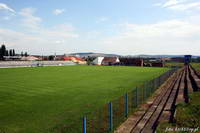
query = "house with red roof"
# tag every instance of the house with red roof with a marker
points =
(74, 59)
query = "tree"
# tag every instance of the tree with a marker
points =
(7, 53)
(1, 55)
(10, 52)
(197, 59)
(13, 52)
(89, 60)
(3, 50)
(22, 54)
(51, 57)
(25, 54)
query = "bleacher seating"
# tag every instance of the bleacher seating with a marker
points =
(5, 64)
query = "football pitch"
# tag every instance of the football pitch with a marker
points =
(43, 99)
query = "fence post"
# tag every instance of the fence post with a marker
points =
(168, 74)
(139, 96)
(84, 125)
(152, 86)
(126, 105)
(110, 117)
(136, 97)
(157, 83)
(145, 91)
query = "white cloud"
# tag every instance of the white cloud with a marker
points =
(157, 4)
(44, 42)
(101, 19)
(5, 7)
(92, 35)
(58, 11)
(180, 5)
(29, 20)
(188, 6)
(6, 18)
(36, 38)
(59, 33)
(19, 41)
(59, 41)
(64, 27)
(166, 37)
(32, 23)
(171, 3)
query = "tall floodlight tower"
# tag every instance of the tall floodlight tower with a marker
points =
(54, 56)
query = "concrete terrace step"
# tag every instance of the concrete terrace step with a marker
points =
(162, 106)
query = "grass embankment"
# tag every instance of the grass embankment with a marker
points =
(187, 116)
(196, 66)
(41, 100)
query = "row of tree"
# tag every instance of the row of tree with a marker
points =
(5, 52)
(10, 52)
(196, 59)
(24, 54)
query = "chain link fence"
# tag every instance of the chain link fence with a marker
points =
(112, 114)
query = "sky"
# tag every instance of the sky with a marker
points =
(126, 27)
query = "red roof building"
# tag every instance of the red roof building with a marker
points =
(110, 61)
(131, 61)
(74, 59)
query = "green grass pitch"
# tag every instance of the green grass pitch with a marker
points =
(40, 100)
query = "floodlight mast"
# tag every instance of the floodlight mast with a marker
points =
(55, 56)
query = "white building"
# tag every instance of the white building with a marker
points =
(98, 61)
